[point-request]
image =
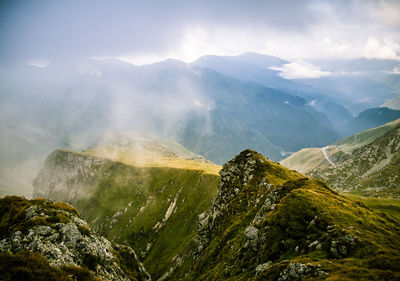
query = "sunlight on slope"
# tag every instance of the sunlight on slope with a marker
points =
(147, 152)
(305, 160)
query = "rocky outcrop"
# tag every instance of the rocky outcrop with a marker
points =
(68, 176)
(235, 177)
(267, 221)
(57, 232)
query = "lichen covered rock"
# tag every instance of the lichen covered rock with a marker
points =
(56, 231)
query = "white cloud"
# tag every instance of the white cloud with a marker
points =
(38, 63)
(381, 49)
(300, 69)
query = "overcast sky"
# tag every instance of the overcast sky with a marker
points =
(144, 31)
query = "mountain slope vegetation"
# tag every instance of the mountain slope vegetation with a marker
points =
(271, 223)
(372, 170)
(262, 222)
(313, 158)
(153, 207)
(365, 164)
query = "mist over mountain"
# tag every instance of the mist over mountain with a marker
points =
(146, 140)
(71, 105)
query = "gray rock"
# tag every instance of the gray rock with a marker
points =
(63, 244)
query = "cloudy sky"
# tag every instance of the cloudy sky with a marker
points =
(140, 32)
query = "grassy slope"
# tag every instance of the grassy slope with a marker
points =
(389, 206)
(136, 189)
(305, 159)
(27, 265)
(143, 196)
(141, 158)
(376, 255)
(349, 144)
(372, 170)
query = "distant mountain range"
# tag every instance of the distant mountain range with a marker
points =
(215, 106)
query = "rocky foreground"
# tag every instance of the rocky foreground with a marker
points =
(69, 247)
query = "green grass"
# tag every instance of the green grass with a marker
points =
(27, 265)
(374, 256)
(142, 196)
(389, 206)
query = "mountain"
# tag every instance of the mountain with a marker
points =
(372, 170)
(270, 223)
(250, 115)
(256, 68)
(370, 118)
(134, 191)
(307, 159)
(362, 83)
(366, 163)
(259, 221)
(70, 105)
(44, 240)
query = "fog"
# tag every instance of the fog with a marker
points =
(71, 106)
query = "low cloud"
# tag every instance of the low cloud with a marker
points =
(299, 70)
(381, 49)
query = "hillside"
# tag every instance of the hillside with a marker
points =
(261, 69)
(372, 170)
(152, 207)
(270, 223)
(366, 163)
(43, 240)
(308, 159)
(370, 118)
(263, 222)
